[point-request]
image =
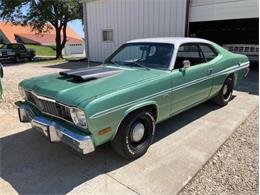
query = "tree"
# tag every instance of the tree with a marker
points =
(43, 15)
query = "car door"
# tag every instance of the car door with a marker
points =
(190, 85)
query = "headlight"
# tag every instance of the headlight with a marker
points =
(78, 117)
(10, 53)
(22, 93)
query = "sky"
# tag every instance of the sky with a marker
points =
(77, 26)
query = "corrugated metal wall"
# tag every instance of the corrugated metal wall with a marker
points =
(208, 10)
(132, 19)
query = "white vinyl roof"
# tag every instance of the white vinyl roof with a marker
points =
(172, 40)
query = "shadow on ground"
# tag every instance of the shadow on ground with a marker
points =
(32, 165)
(250, 84)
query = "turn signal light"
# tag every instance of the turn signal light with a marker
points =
(103, 131)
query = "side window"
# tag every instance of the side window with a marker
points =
(208, 52)
(189, 52)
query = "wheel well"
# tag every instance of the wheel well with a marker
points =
(233, 77)
(153, 108)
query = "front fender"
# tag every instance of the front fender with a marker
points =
(113, 120)
(141, 105)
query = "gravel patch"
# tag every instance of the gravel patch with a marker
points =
(234, 167)
(15, 73)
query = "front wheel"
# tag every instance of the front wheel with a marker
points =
(134, 135)
(225, 94)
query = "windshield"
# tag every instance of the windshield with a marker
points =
(150, 55)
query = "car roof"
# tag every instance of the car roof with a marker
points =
(170, 40)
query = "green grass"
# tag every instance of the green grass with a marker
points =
(42, 50)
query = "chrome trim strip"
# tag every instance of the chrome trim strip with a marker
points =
(41, 97)
(47, 98)
(225, 71)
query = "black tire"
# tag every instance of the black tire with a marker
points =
(30, 59)
(225, 93)
(124, 143)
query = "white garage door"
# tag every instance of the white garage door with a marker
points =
(76, 48)
(209, 10)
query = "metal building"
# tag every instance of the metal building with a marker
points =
(110, 23)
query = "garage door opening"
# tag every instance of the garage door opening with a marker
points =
(239, 31)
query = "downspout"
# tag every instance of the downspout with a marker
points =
(86, 30)
(187, 21)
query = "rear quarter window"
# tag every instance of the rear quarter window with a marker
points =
(208, 51)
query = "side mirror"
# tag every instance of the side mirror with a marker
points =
(185, 64)
(1, 71)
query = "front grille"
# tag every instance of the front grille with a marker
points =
(49, 107)
(4, 53)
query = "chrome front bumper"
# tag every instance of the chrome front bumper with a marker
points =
(56, 132)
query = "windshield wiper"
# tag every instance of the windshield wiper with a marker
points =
(135, 62)
(114, 63)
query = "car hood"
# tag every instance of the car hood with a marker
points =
(72, 92)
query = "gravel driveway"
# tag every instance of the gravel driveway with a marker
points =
(234, 168)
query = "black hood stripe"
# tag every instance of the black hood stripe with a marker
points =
(91, 73)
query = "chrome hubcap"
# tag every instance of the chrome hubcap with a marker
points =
(225, 89)
(138, 132)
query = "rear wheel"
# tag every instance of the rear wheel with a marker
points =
(225, 94)
(134, 135)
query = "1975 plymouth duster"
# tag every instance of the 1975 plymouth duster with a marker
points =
(142, 83)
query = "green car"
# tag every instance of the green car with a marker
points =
(1, 76)
(142, 83)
